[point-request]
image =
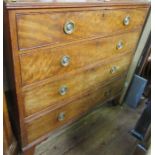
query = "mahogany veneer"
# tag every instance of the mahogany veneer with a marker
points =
(45, 95)
(46, 61)
(63, 58)
(33, 30)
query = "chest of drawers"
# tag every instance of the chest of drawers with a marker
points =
(63, 58)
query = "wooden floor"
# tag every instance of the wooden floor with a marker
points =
(104, 131)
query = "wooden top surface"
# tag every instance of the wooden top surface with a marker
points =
(70, 3)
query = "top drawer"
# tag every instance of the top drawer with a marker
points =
(35, 29)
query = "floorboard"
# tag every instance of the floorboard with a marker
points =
(104, 131)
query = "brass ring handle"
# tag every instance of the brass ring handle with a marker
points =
(61, 116)
(63, 90)
(114, 69)
(119, 45)
(65, 60)
(69, 27)
(126, 20)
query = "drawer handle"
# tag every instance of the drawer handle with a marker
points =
(61, 116)
(65, 60)
(63, 90)
(114, 69)
(69, 27)
(119, 45)
(126, 20)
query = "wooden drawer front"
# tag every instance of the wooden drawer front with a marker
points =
(40, 29)
(41, 64)
(41, 97)
(65, 114)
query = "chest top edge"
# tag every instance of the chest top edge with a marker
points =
(39, 4)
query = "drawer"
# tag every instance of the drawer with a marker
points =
(53, 27)
(67, 89)
(44, 63)
(54, 119)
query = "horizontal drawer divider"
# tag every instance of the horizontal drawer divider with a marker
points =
(82, 40)
(57, 105)
(37, 141)
(75, 72)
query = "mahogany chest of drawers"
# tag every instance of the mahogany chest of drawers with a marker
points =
(64, 57)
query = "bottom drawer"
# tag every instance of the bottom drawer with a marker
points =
(56, 118)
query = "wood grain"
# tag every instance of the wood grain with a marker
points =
(49, 122)
(38, 98)
(33, 30)
(43, 63)
(77, 1)
(30, 33)
(101, 130)
(13, 75)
